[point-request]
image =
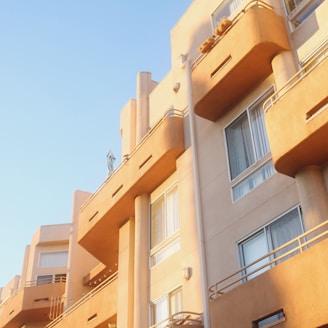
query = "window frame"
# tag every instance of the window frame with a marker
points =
(40, 265)
(265, 230)
(259, 163)
(168, 298)
(216, 17)
(170, 243)
(301, 11)
(260, 99)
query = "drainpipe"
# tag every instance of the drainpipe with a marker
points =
(186, 64)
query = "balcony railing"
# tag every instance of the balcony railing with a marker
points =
(83, 300)
(190, 319)
(304, 241)
(297, 78)
(33, 283)
(168, 114)
(238, 59)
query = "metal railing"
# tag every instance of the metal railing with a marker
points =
(83, 300)
(234, 20)
(34, 283)
(319, 58)
(303, 242)
(167, 115)
(184, 318)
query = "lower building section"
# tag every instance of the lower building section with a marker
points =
(292, 293)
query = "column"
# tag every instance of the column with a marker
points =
(283, 66)
(125, 297)
(141, 266)
(313, 195)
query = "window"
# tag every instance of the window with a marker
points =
(226, 9)
(270, 320)
(45, 279)
(164, 226)
(166, 306)
(246, 138)
(49, 278)
(53, 259)
(268, 238)
(299, 10)
(253, 180)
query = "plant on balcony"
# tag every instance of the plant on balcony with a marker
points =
(206, 45)
(222, 26)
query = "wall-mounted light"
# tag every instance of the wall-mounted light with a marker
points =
(176, 87)
(187, 273)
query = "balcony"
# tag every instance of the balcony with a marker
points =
(153, 160)
(32, 302)
(98, 308)
(295, 284)
(297, 118)
(238, 61)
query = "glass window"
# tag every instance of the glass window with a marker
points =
(270, 237)
(226, 9)
(253, 180)
(164, 221)
(45, 279)
(299, 10)
(53, 259)
(167, 306)
(246, 138)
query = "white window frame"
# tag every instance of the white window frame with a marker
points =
(252, 174)
(170, 243)
(50, 278)
(168, 297)
(226, 9)
(265, 231)
(301, 10)
(43, 262)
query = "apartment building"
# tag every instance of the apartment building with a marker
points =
(36, 297)
(259, 93)
(216, 215)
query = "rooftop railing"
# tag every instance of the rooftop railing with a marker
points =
(167, 115)
(319, 58)
(183, 318)
(83, 300)
(303, 241)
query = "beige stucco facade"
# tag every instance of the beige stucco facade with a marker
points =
(223, 162)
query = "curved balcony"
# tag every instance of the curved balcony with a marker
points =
(296, 285)
(32, 302)
(297, 118)
(153, 160)
(238, 61)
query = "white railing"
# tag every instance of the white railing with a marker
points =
(184, 318)
(34, 283)
(167, 115)
(83, 300)
(303, 241)
(319, 58)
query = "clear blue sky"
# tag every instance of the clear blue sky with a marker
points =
(67, 68)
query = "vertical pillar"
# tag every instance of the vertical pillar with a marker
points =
(283, 66)
(313, 195)
(141, 266)
(126, 275)
(145, 86)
